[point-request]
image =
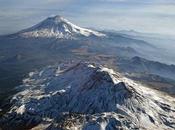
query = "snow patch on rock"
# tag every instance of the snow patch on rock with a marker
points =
(58, 27)
(86, 97)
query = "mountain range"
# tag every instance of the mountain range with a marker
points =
(69, 85)
(56, 40)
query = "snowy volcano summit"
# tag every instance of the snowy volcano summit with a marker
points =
(58, 27)
(85, 97)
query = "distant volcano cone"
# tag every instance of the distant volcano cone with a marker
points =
(58, 27)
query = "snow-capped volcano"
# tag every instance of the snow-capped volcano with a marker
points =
(58, 27)
(85, 97)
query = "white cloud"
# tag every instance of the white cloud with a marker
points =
(148, 16)
(57, 1)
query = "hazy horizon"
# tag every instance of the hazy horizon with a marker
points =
(152, 16)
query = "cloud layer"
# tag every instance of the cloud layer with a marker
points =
(147, 16)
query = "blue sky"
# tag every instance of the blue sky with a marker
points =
(154, 16)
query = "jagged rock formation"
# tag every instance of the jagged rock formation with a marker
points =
(85, 97)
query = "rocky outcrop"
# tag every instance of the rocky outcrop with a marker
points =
(85, 97)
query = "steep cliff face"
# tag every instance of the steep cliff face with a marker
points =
(85, 97)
